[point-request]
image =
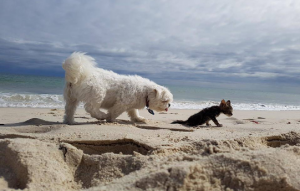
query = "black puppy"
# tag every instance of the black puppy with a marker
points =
(207, 114)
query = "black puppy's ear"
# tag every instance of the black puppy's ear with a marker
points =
(222, 102)
(228, 102)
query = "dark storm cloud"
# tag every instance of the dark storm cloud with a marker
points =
(212, 41)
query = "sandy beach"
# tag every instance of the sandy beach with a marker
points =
(254, 150)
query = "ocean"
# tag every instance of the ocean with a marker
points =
(47, 92)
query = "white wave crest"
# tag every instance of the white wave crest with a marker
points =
(236, 106)
(31, 100)
(57, 101)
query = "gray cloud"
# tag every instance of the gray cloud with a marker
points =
(212, 41)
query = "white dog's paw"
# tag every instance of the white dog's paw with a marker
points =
(140, 119)
(72, 122)
(110, 120)
(99, 116)
(69, 121)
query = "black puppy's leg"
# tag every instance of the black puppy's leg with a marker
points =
(216, 122)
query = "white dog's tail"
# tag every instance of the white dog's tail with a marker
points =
(78, 66)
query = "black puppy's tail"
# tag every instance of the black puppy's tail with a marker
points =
(179, 122)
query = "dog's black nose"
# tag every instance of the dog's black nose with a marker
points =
(169, 105)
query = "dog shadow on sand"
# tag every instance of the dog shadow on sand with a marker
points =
(37, 125)
(40, 122)
(140, 125)
(32, 121)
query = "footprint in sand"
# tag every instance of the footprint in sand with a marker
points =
(236, 121)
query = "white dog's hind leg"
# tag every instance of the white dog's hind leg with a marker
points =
(135, 117)
(94, 110)
(115, 112)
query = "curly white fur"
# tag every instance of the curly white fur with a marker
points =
(98, 88)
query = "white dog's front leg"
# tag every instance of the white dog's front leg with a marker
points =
(70, 108)
(135, 117)
(71, 104)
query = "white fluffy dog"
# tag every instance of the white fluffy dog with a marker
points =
(98, 88)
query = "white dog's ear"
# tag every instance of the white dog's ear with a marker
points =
(157, 92)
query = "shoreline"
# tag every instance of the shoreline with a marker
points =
(56, 101)
(183, 109)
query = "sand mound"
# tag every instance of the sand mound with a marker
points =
(272, 169)
(207, 165)
(242, 155)
(35, 165)
(37, 121)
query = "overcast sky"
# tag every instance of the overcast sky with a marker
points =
(195, 41)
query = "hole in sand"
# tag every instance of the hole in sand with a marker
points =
(124, 146)
(277, 141)
(98, 169)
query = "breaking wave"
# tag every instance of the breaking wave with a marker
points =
(57, 101)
